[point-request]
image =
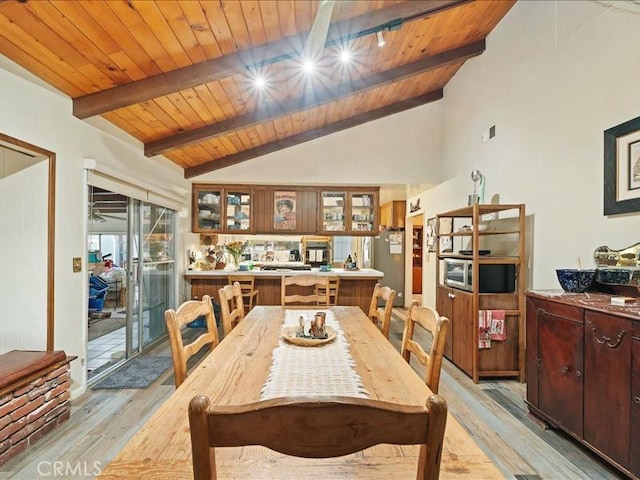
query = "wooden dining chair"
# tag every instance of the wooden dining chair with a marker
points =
(249, 293)
(308, 282)
(231, 306)
(176, 320)
(340, 426)
(438, 326)
(334, 286)
(382, 318)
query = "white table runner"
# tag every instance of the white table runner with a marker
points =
(310, 371)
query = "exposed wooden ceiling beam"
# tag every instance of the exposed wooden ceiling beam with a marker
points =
(243, 156)
(232, 64)
(320, 97)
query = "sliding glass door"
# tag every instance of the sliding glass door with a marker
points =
(151, 288)
(132, 277)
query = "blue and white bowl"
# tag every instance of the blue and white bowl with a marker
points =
(574, 280)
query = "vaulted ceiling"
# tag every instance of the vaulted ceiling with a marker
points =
(180, 75)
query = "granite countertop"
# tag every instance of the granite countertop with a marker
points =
(590, 300)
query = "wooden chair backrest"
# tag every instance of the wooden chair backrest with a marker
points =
(175, 320)
(382, 318)
(339, 426)
(312, 281)
(334, 287)
(249, 293)
(231, 306)
(438, 326)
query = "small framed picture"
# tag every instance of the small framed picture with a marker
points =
(430, 234)
(445, 228)
(284, 210)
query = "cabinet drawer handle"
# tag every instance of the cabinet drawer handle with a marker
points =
(564, 369)
(578, 373)
(451, 295)
(636, 399)
(604, 340)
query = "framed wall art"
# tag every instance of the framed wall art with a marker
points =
(430, 234)
(622, 168)
(445, 228)
(284, 210)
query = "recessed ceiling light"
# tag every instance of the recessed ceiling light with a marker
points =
(345, 56)
(260, 82)
(308, 66)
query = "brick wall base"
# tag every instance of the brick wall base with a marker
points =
(33, 410)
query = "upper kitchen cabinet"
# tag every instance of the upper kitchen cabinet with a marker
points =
(238, 210)
(364, 206)
(207, 209)
(332, 212)
(392, 215)
(306, 210)
(219, 209)
(349, 212)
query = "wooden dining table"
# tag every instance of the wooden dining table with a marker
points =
(235, 373)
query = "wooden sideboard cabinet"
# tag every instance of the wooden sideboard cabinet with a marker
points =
(583, 372)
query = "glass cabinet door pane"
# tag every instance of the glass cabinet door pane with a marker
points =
(238, 211)
(333, 204)
(362, 212)
(209, 209)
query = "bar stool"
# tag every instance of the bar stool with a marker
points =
(249, 294)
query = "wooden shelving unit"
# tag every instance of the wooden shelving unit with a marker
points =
(504, 358)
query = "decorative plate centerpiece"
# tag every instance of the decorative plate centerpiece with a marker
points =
(295, 336)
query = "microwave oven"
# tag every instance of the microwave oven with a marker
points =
(493, 278)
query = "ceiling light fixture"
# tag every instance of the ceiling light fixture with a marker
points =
(380, 37)
(308, 66)
(260, 82)
(345, 56)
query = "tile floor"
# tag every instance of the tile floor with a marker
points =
(106, 348)
(109, 349)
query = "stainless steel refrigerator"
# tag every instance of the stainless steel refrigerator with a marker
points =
(388, 257)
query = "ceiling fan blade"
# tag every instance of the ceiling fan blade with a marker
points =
(319, 30)
(114, 217)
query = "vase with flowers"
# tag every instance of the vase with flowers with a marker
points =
(235, 249)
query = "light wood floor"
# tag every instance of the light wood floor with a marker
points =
(102, 421)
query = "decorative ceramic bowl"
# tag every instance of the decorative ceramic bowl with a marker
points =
(621, 276)
(574, 280)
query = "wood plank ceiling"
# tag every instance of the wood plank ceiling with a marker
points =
(179, 75)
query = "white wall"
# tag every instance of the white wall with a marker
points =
(399, 149)
(23, 251)
(550, 93)
(41, 117)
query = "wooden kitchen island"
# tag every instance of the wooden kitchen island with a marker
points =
(356, 286)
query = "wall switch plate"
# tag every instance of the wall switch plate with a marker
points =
(77, 264)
